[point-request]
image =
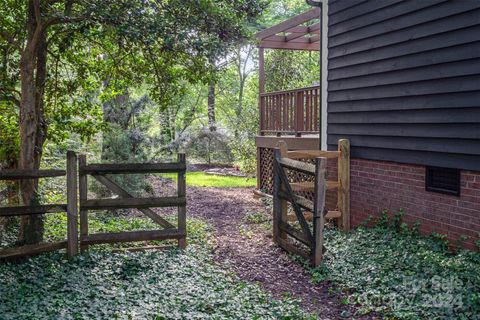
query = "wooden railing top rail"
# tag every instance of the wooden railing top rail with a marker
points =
(19, 174)
(289, 91)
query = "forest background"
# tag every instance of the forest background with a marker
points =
(168, 76)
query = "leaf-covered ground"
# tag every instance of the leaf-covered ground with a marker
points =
(242, 228)
(151, 285)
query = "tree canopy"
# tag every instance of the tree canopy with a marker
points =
(61, 59)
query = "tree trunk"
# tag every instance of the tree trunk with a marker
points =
(211, 106)
(33, 128)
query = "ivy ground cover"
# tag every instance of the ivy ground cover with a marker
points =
(144, 285)
(394, 271)
(151, 285)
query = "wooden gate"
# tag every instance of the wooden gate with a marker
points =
(126, 200)
(284, 193)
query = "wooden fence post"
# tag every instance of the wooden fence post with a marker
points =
(182, 210)
(72, 205)
(319, 208)
(277, 207)
(83, 186)
(344, 182)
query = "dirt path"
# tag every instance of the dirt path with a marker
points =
(254, 257)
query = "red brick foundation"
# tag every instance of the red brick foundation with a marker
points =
(379, 185)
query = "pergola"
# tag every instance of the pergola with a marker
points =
(302, 32)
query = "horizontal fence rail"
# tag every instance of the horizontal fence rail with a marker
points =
(290, 112)
(29, 210)
(134, 168)
(19, 174)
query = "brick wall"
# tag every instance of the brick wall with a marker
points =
(379, 185)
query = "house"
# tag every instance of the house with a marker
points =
(401, 81)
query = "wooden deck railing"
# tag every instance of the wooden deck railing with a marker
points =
(290, 112)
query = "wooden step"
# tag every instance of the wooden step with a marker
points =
(309, 186)
(333, 215)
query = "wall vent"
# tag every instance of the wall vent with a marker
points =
(443, 180)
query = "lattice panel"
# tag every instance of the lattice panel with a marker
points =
(266, 170)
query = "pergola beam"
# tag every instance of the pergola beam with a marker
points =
(302, 39)
(290, 45)
(308, 30)
(302, 29)
(293, 22)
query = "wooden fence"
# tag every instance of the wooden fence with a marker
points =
(78, 204)
(290, 112)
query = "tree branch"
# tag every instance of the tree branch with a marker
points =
(10, 39)
(11, 97)
(38, 15)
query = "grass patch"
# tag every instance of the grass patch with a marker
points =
(201, 179)
(394, 271)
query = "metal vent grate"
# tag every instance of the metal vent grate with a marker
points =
(443, 180)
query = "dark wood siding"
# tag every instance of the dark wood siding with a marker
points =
(404, 80)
